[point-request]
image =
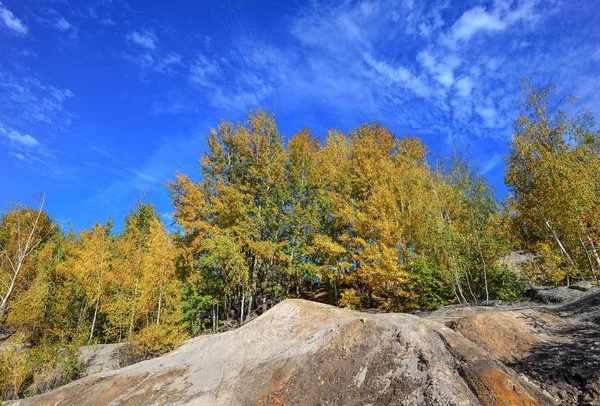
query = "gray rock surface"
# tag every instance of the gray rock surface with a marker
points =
(583, 286)
(548, 295)
(306, 353)
(100, 357)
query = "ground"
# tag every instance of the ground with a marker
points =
(306, 353)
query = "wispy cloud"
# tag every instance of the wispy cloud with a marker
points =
(62, 24)
(202, 71)
(26, 100)
(19, 156)
(473, 21)
(12, 22)
(446, 75)
(492, 163)
(21, 139)
(480, 20)
(21, 146)
(145, 177)
(108, 21)
(144, 39)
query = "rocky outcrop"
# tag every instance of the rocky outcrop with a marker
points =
(305, 353)
(100, 357)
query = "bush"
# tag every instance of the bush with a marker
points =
(428, 288)
(53, 367)
(504, 284)
(350, 299)
(150, 342)
(15, 372)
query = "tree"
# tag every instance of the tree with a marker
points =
(23, 229)
(130, 250)
(240, 203)
(552, 170)
(91, 264)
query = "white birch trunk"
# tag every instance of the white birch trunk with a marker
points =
(562, 248)
(159, 307)
(94, 321)
(242, 307)
(21, 254)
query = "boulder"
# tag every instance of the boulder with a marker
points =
(583, 286)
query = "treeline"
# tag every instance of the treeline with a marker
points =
(61, 291)
(553, 170)
(359, 219)
(363, 219)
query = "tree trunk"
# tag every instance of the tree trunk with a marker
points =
(485, 280)
(81, 313)
(217, 316)
(226, 307)
(214, 318)
(587, 255)
(595, 255)
(242, 307)
(464, 301)
(159, 307)
(94, 320)
(21, 254)
(133, 308)
(562, 248)
(99, 294)
(11, 286)
(249, 312)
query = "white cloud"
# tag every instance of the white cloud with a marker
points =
(144, 39)
(145, 177)
(399, 75)
(20, 157)
(25, 140)
(489, 116)
(202, 69)
(168, 60)
(62, 24)
(154, 61)
(442, 71)
(491, 163)
(107, 21)
(475, 20)
(12, 22)
(25, 102)
(479, 19)
(464, 87)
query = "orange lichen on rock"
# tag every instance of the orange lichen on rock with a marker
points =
(495, 387)
(274, 396)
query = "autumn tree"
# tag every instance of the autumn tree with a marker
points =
(91, 265)
(552, 170)
(239, 204)
(22, 230)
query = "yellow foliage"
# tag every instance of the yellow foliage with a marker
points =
(15, 370)
(158, 339)
(350, 299)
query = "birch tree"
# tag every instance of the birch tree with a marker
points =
(91, 264)
(23, 230)
(553, 174)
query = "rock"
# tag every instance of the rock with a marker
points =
(306, 353)
(583, 286)
(360, 358)
(517, 260)
(100, 357)
(548, 295)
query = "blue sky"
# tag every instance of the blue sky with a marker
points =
(101, 102)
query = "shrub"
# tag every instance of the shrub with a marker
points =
(15, 372)
(151, 342)
(350, 299)
(53, 367)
